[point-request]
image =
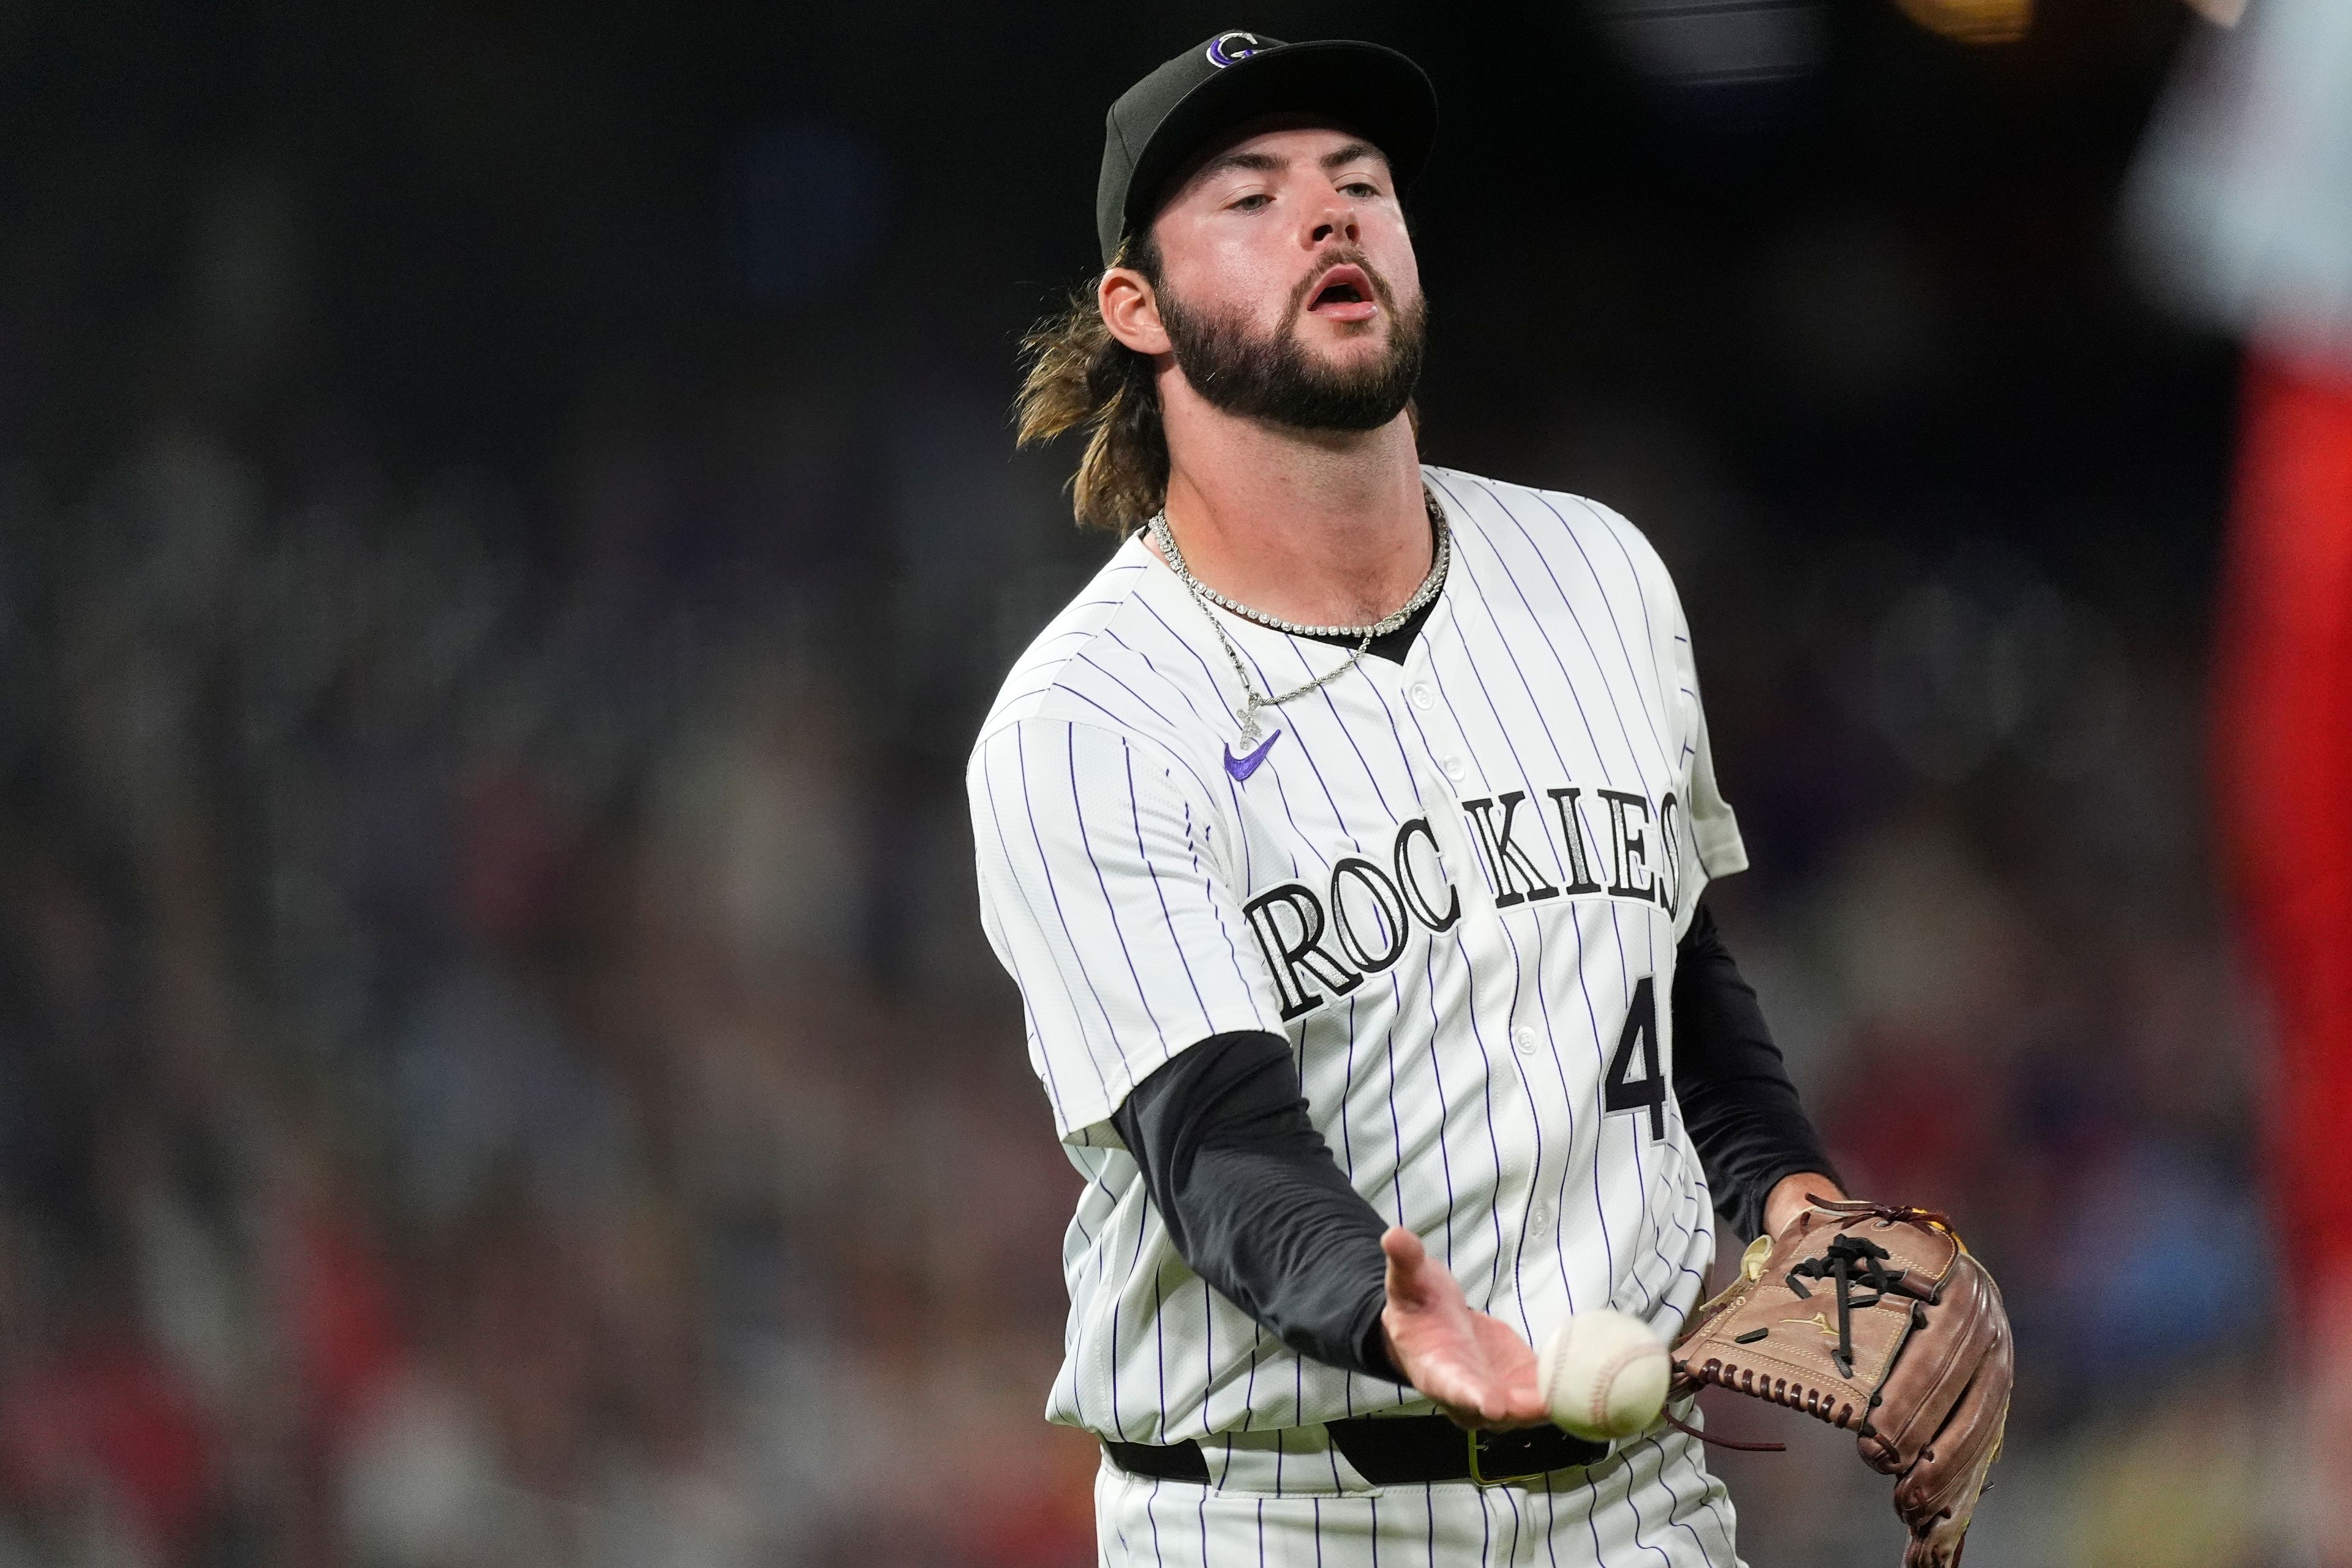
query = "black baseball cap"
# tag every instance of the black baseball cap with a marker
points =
(1160, 122)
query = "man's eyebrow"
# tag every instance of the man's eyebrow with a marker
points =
(1268, 164)
(1258, 163)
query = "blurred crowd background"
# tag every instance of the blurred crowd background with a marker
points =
(508, 528)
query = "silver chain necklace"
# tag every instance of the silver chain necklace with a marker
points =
(1204, 595)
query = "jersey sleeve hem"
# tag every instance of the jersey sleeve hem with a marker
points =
(1721, 850)
(1104, 893)
(1077, 1113)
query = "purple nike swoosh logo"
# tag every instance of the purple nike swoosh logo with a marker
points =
(1241, 767)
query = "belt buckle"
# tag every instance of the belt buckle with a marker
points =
(1477, 1471)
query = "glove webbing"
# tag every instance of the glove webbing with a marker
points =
(1839, 1261)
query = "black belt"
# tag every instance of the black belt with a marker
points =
(1398, 1451)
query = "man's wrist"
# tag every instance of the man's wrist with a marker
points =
(1791, 1195)
(1377, 1351)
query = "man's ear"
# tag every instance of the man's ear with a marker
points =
(1131, 310)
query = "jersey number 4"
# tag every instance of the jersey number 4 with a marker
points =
(1622, 1091)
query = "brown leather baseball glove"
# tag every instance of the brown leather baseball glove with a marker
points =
(1877, 1320)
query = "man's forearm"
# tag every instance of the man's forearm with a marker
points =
(1254, 1200)
(1745, 1119)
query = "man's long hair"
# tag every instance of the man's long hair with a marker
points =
(1079, 376)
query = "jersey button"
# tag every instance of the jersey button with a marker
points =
(1454, 768)
(1525, 1038)
(1423, 698)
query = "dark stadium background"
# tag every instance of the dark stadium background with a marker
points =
(507, 530)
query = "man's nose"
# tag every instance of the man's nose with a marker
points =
(1336, 221)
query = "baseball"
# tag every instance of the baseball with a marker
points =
(1604, 1374)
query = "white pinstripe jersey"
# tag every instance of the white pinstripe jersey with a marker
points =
(1454, 885)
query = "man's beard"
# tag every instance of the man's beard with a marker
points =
(1275, 379)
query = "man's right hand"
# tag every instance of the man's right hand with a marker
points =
(1475, 1366)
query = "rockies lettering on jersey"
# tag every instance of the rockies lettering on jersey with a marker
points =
(1454, 884)
(1290, 921)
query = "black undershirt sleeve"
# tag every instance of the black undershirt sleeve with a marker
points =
(1742, 1112)
(1254, 1200)
(1257, 1206)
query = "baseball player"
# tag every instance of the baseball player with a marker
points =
(1346, 837)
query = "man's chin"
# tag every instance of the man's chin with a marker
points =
(1336, 407)
(1358, 355)
(1312, 331)
(1317, 373)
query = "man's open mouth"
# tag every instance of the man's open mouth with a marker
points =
(1343, 294)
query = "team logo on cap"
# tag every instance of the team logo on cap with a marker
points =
(1232, 49)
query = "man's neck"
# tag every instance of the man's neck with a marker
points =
(1324, 528)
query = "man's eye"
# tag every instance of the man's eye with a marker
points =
(1252, 202)
(1360, 188)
